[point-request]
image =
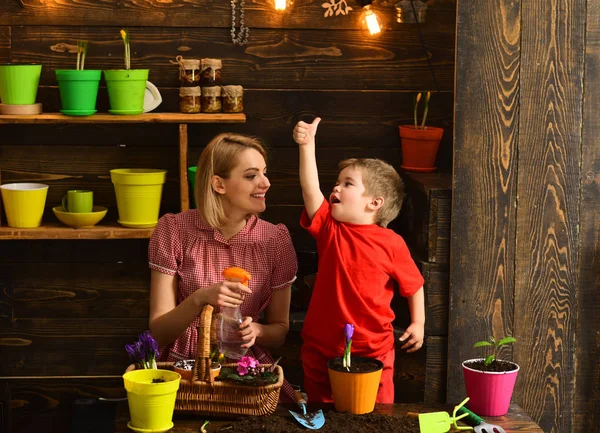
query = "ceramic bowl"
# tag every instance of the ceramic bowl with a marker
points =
(80, 220)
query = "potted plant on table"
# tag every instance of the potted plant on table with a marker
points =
(490, 381)
(126, 87)
(151, 392)
(420, 143)
(185, 367)
(354, 380)
(248, 371)
(78, 87)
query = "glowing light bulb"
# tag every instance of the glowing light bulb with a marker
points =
(372, 21)
(280, 5)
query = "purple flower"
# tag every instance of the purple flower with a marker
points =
(242, 370)
(144, 351)
(349, 331)
(134, 351)
(149, 345)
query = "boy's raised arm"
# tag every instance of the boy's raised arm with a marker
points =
(304, 135)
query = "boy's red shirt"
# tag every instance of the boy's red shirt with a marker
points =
(355, 284)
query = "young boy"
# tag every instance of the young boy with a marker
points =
(359, 260)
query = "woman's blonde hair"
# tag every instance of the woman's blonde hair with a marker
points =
(219, 158)
(380, 180)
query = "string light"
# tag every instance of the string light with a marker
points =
(280, 5)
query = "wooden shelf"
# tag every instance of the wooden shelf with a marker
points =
(113, 231)
(59, 231)
(53, 118)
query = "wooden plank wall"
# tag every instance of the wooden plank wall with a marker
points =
(525, 262)
(64, 301)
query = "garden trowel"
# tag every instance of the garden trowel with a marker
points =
(440, 422)
(314, 420)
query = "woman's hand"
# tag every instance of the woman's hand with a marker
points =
(224, 294)
(249, 331)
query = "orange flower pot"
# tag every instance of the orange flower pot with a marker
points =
(419, 147)
(354, 391)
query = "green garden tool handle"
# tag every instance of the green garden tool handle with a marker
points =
(471, 419)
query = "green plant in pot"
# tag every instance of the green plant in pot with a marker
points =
(126, 87)
(420, 143)
(79, 87)
(19, 83)
(490, 381)
(354, 380)
(151, 392)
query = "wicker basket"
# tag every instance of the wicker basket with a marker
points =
(205, 396)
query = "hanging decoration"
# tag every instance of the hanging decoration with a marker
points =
(242, 36)
(336, 8)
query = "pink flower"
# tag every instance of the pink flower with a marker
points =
(242, 370)
(248, 361)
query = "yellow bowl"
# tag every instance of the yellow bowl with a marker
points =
(80, 220)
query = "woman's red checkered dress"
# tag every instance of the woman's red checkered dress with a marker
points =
(185, 246)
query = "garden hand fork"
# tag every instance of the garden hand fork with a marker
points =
(478, 423)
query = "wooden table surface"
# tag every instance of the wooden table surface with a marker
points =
(515, 421)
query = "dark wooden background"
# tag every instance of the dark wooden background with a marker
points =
(67, 308)
(525, 234)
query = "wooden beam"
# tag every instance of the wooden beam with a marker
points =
(586, 405)
(484, 180)
(184, 197)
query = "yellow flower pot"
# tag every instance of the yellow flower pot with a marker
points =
(354, 392)
(151, 405)
(138, 192)
(24, 203)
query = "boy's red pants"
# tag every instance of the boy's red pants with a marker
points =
(316, 376)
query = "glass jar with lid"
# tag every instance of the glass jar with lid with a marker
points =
(210, 72)
(189, 71)
(233, 99)
(211, 99)
(189, 99)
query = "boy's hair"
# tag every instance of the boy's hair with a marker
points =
(380, 180)
(219, 158)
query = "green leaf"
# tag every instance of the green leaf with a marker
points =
(507, 340)
(492, 339)
(482, 343)
(489, 360)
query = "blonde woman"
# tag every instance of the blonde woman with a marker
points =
(188, 251)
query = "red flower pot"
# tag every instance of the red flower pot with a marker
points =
(419, 147)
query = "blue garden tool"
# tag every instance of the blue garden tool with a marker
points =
(314, 420)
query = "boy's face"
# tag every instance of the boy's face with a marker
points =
(348, 201)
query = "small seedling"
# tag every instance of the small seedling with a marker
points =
(416, 101)
(496, 345)
(82, 47)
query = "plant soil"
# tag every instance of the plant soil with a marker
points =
(335, 422)
(357, 365)
(496, 366)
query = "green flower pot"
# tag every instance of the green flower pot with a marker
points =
(19, 83)
(126, 90)
(78, 91)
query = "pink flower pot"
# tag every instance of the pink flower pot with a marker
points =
(489, 392)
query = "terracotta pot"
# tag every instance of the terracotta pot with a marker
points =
(490, 392)
(419, 147)
(354, 392)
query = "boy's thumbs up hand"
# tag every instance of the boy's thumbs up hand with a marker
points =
(304, 133)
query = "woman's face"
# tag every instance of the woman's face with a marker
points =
(245, 188)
